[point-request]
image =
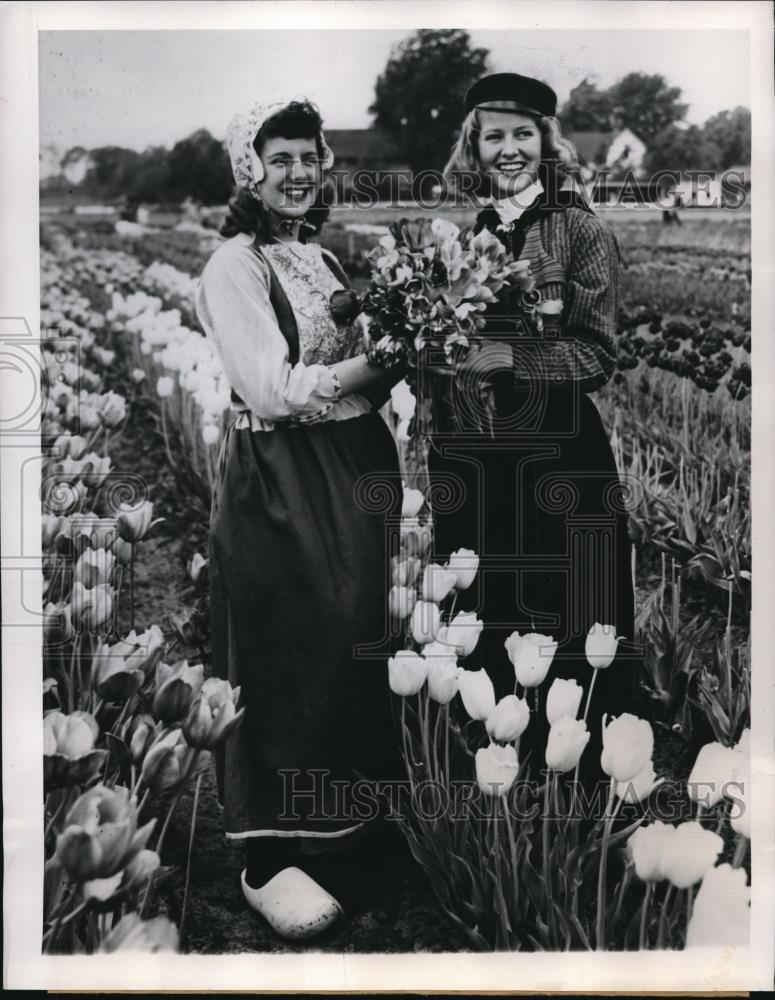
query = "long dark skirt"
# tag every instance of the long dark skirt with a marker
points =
(299, 570)
(544, 508)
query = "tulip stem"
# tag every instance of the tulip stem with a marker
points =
(663, 918)
(689, 901)
(741, 849)
(132, 586)
(595, 671)
(601, 879)
(447, 775)
(184, 911)
(644, 917)
(550, 777)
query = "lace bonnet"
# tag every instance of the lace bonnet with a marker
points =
(246, 164)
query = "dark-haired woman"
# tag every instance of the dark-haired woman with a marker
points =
(298, 558)
(542, 501)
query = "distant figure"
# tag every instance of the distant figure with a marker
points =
(670, 205)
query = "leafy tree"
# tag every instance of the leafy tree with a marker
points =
(111, 173)
(419, 94)
(677, 148)
(646, 104)
(198, 167)
(588, 109)
(730, 131)
(150, 182)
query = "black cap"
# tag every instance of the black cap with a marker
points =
(511, 92)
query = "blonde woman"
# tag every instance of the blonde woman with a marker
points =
(543, 504)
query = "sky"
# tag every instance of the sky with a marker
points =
(143, 88)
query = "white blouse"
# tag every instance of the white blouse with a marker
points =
(236, 313)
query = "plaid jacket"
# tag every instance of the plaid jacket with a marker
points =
(575, 258)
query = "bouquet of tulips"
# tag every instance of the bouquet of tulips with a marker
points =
(430, 285)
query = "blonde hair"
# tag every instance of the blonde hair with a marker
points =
(557, 152)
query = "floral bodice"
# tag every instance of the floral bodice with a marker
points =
(308, 283)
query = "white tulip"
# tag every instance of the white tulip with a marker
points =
(463, 563)
(531, 655)
(714, 768)
(442, 678)
(567, 741)
(497, 768)
(463, 632)
(628, 743)
(477, 693)
(600, 646)
(437, 582)
(426, 621)
(721, 912)
(406, 673)
(508, 720)
(401, 602)
(647, 847)
(564, 698)
(689, 854)
(412, 503)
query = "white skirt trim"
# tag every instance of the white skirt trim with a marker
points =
(244, 834)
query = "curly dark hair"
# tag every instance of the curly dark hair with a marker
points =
(246, 214)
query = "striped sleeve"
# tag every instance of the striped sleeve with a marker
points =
(579, 345)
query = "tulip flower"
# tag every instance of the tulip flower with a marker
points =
(91, 608)
(689, 853)
(213, 716)
(442, 677)
(140, 652)
(197, 567)
(164, 387)
(94, 566)
(628, 743)
(404, 571)
(50, 524)
(168, 762)
(401, 602)
(647, 847)
(600, 646)
(57, 624)
(69, 757)
(437, 582)
(132, 933)
(133, 522)
(140, 734)
(714, 768)
(210, 433)
(426, 620)
(112, 409)
(497, 768)
(531, 655)
(464, 563)
(638, 788)
(103, 534)
(564, 698)
(412, 503)
(477, 693)
(100, 836)
(176, 688)
(112, 677)
(416, 540)
(123, 551)
(406, 673)
(463, 632)
(508, 720)
(721, 912)
(567, 740)
(95, 469)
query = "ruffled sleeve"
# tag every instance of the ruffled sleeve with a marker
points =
(235, 311)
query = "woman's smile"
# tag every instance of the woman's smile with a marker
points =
(509, 150)
(292, 176)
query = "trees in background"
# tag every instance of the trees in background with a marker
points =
(652, 108)
(419, 95)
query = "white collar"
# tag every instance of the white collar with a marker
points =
(510, 209)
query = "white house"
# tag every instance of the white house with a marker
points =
(626, 151)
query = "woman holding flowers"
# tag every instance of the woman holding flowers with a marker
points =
(298, 558)
(519, 435)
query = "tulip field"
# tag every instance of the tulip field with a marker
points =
(135, 409)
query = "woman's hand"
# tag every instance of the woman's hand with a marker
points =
(486, 359)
